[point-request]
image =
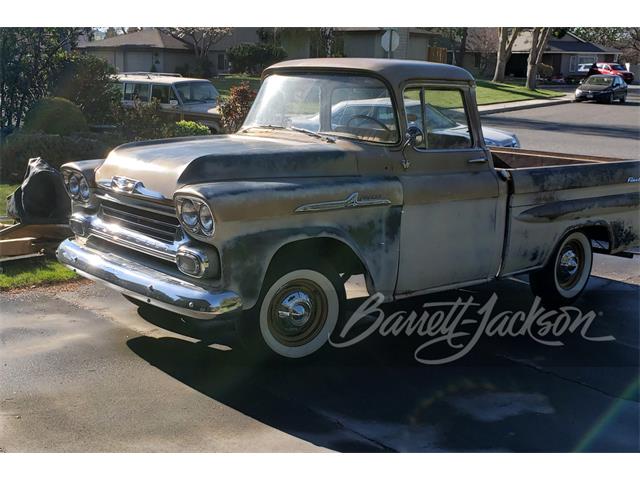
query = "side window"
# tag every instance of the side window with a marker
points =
(442, 115)
(141, 92)
(162, 93)
(128, 91)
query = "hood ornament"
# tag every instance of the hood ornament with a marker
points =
(125, 185)
(130, 186)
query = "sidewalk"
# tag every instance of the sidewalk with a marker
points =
(523, 105)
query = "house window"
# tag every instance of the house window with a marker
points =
(222, 61)
(576, 60)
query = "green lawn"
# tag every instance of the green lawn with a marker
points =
(489, 92)
(29, 272)
(36, 272)
(5, 190)
(486, 93)
(224, 83)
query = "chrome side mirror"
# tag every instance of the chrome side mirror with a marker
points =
(413, 138)
(173, 103)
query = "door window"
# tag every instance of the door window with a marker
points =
(441, 114)
(136, 91)
(162, 93)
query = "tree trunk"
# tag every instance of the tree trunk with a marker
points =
(463, 47)
(539, 40)
(532, 73)
(505, 46)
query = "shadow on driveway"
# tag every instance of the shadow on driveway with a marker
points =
(506, 395)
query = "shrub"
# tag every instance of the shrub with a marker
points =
(143, 121)
(88, 82)
(545, 71)
(254, 57)
(186, 128)
(235, 109)
(55, 149)
(56, 116)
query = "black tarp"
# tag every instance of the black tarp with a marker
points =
(42, 197)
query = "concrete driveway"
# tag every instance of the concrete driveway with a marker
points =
(82, 371)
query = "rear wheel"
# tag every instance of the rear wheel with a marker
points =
(623, 98)
(609, 98)
(297, 311)
(566, 274)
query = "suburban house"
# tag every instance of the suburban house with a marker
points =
(413, 43)
(151, 49)
(564, 54)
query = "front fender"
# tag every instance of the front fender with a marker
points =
(255, 219)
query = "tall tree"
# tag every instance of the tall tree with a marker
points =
(457, 38)
(506, 41)
(30, 60)
(202, 40)
(111, 32)
(539, 40)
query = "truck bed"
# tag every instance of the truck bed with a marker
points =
(551, 194)
(510, 158)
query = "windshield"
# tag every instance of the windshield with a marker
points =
(616, 67)
(349, 106)
(598, 81)
(197, 92)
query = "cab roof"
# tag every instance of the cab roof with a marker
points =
(395, 71)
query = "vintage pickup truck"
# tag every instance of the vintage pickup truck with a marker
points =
(265, 225)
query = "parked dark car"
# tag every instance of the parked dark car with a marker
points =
(602, 88)
(611, 69)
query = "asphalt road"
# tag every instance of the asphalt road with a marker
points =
(81, 369)
(586, 128)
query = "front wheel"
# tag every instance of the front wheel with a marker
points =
(297, 311)
(566, 274)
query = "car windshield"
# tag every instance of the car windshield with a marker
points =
(617, 67)
(341, 105)
(197, 92)
(598, 81)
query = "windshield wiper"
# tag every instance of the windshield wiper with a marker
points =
(313, 134)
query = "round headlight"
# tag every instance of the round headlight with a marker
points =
(84, 189)
(207, 223)
(74, 185)
(189, 214)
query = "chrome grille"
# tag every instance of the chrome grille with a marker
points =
(156, 225)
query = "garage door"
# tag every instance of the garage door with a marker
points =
(138, 61)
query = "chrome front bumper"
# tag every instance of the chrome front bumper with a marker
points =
(146, 284)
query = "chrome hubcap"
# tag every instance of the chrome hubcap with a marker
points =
(297, 312)
(570, 264)
(295, 309)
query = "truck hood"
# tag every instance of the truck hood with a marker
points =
(163, 166)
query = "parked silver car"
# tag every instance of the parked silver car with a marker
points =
(181, 98)
(438, 119)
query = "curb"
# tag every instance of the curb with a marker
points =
(547, 103)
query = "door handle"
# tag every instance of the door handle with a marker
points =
(477, 160)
